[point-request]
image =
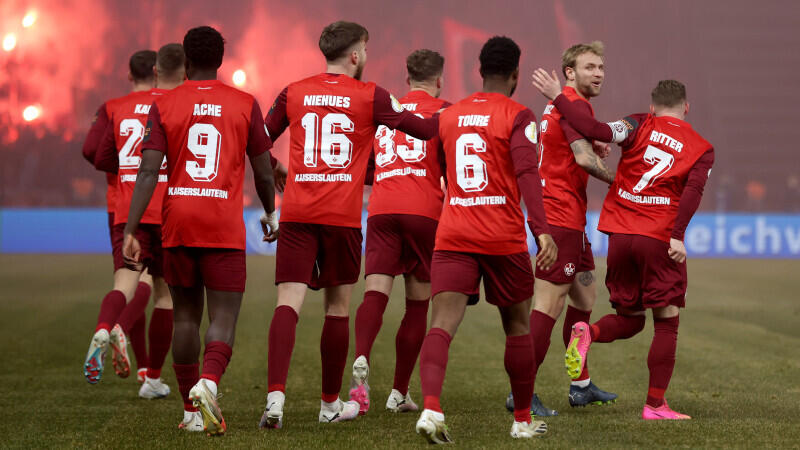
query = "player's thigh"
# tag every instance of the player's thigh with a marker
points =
(623, 274)
(339, 257)
(507, 279)
(187, 304)
(384, 246)
(126, 281)
(455, 272)
(549, 297)
(516, 318)
(146, 278)
(570, 254)
(296, 254)
(663, 280)
(448, 311)
(666, 312)
(161, 296)
(292, 294)
(337, 300)
(223, 269)
(223, 306)
(417, 289)
(583, 291)
(378, 282)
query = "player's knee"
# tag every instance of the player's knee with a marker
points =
(163, 302)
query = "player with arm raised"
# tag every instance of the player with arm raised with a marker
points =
(404, 209)
(205, 129)
(658, 187)
(332, 118)
(566, 160)
(489, 143)
(131, 289)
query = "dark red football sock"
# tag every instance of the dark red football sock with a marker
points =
(138, 343)
(408, 342)
(615, 326)
(333, 347)
(519, 362)
(661, 359)
(541, 329)
(110, 309)
(160, 334)
(215, 360)
(432, 366)
(575, 315)
(282, 330)
(187, 375)
(134, 310)
(369, 318)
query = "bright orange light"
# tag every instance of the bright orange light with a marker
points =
(9, 42)
(239, 77)
(31, 113)
(29, 19)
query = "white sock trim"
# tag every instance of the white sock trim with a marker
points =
(582, 383)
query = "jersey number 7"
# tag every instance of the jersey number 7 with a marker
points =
(661, 161)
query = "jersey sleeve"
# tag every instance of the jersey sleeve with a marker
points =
(258, 141)
(95, 134)
(154, 136)
(106, 158)
(633, 123)
(580, 118)
(692, 193)
(570, 133)
(386, 110)
(523, 155)
(277, 121)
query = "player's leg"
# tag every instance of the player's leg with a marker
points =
(408, 342)
(136, 332)
(160, 336)
(333, 348)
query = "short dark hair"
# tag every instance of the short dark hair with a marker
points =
(141, 65)
(499, 56)
(204, 47)
(424, 65)
(339, 36)
(170, 60)
(668, 93)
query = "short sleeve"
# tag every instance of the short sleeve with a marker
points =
(258, 141)
(155, 138)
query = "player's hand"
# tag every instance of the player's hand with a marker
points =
(269, 225)
(677, 251)
(280, 173)
(131, 251)
(546, 83)
(548, 252)
(602, 149)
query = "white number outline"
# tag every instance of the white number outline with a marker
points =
(134, 130)
(335, 149)
(661, 162)
(415, 151)
(466, 161)
(208, 171)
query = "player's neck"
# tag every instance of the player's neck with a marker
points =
(428, 89)
(143, 86)
(168, 85)
(575, 88)
(340, 69)
(203, 75)
(671, 113)
(495, 87)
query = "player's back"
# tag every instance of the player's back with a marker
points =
(207, 126)
(128, 117)
(332, 129)
(563, 180)
(482, 212)
(650, 178)
(408, 170)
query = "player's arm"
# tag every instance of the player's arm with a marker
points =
(369, 178)
(106, 158)
(95, 134)
(275, 124)
(258, 145)
(525, 160)
(689, 202)
(153, 149)
(585, 155)
(388, 111)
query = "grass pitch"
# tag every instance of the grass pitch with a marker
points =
(736, 374)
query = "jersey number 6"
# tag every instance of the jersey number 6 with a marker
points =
(471, 174)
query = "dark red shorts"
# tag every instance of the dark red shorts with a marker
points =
(400, 244)
(220, 269)
(574, 256)
(641, 275)
(507, 279)
(318, 255)
(149, 237)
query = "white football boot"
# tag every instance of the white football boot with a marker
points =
(527, 430)
(273, 412)
(359, 388)
(119, 352)
(206, 402)
(397, 402)
(338, 411)
(153, 388)
(430, 425)
(192, 421)
(96, 356)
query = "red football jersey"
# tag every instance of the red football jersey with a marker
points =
(332, 120)
(482, 212)
(205, 128)
(90, 145)
(128, 117)
(563, 180)
(651, 176)
(408, 170)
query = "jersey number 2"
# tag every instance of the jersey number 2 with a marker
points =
(661, 162)
(134, 130)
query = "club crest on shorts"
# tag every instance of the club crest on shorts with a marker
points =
(569, 269)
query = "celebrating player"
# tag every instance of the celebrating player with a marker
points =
(124, 304)
(404, 209)
(566, 160)
(489, 143)
(205, 128)
(332, 119)
(658, 187)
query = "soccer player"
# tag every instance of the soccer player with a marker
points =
(131, 290)
(332, 118)
(404, 210)
(489, 143)
(657, 189)
(566, 160)
(205, 128)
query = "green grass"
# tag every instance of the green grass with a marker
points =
(736, 374)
